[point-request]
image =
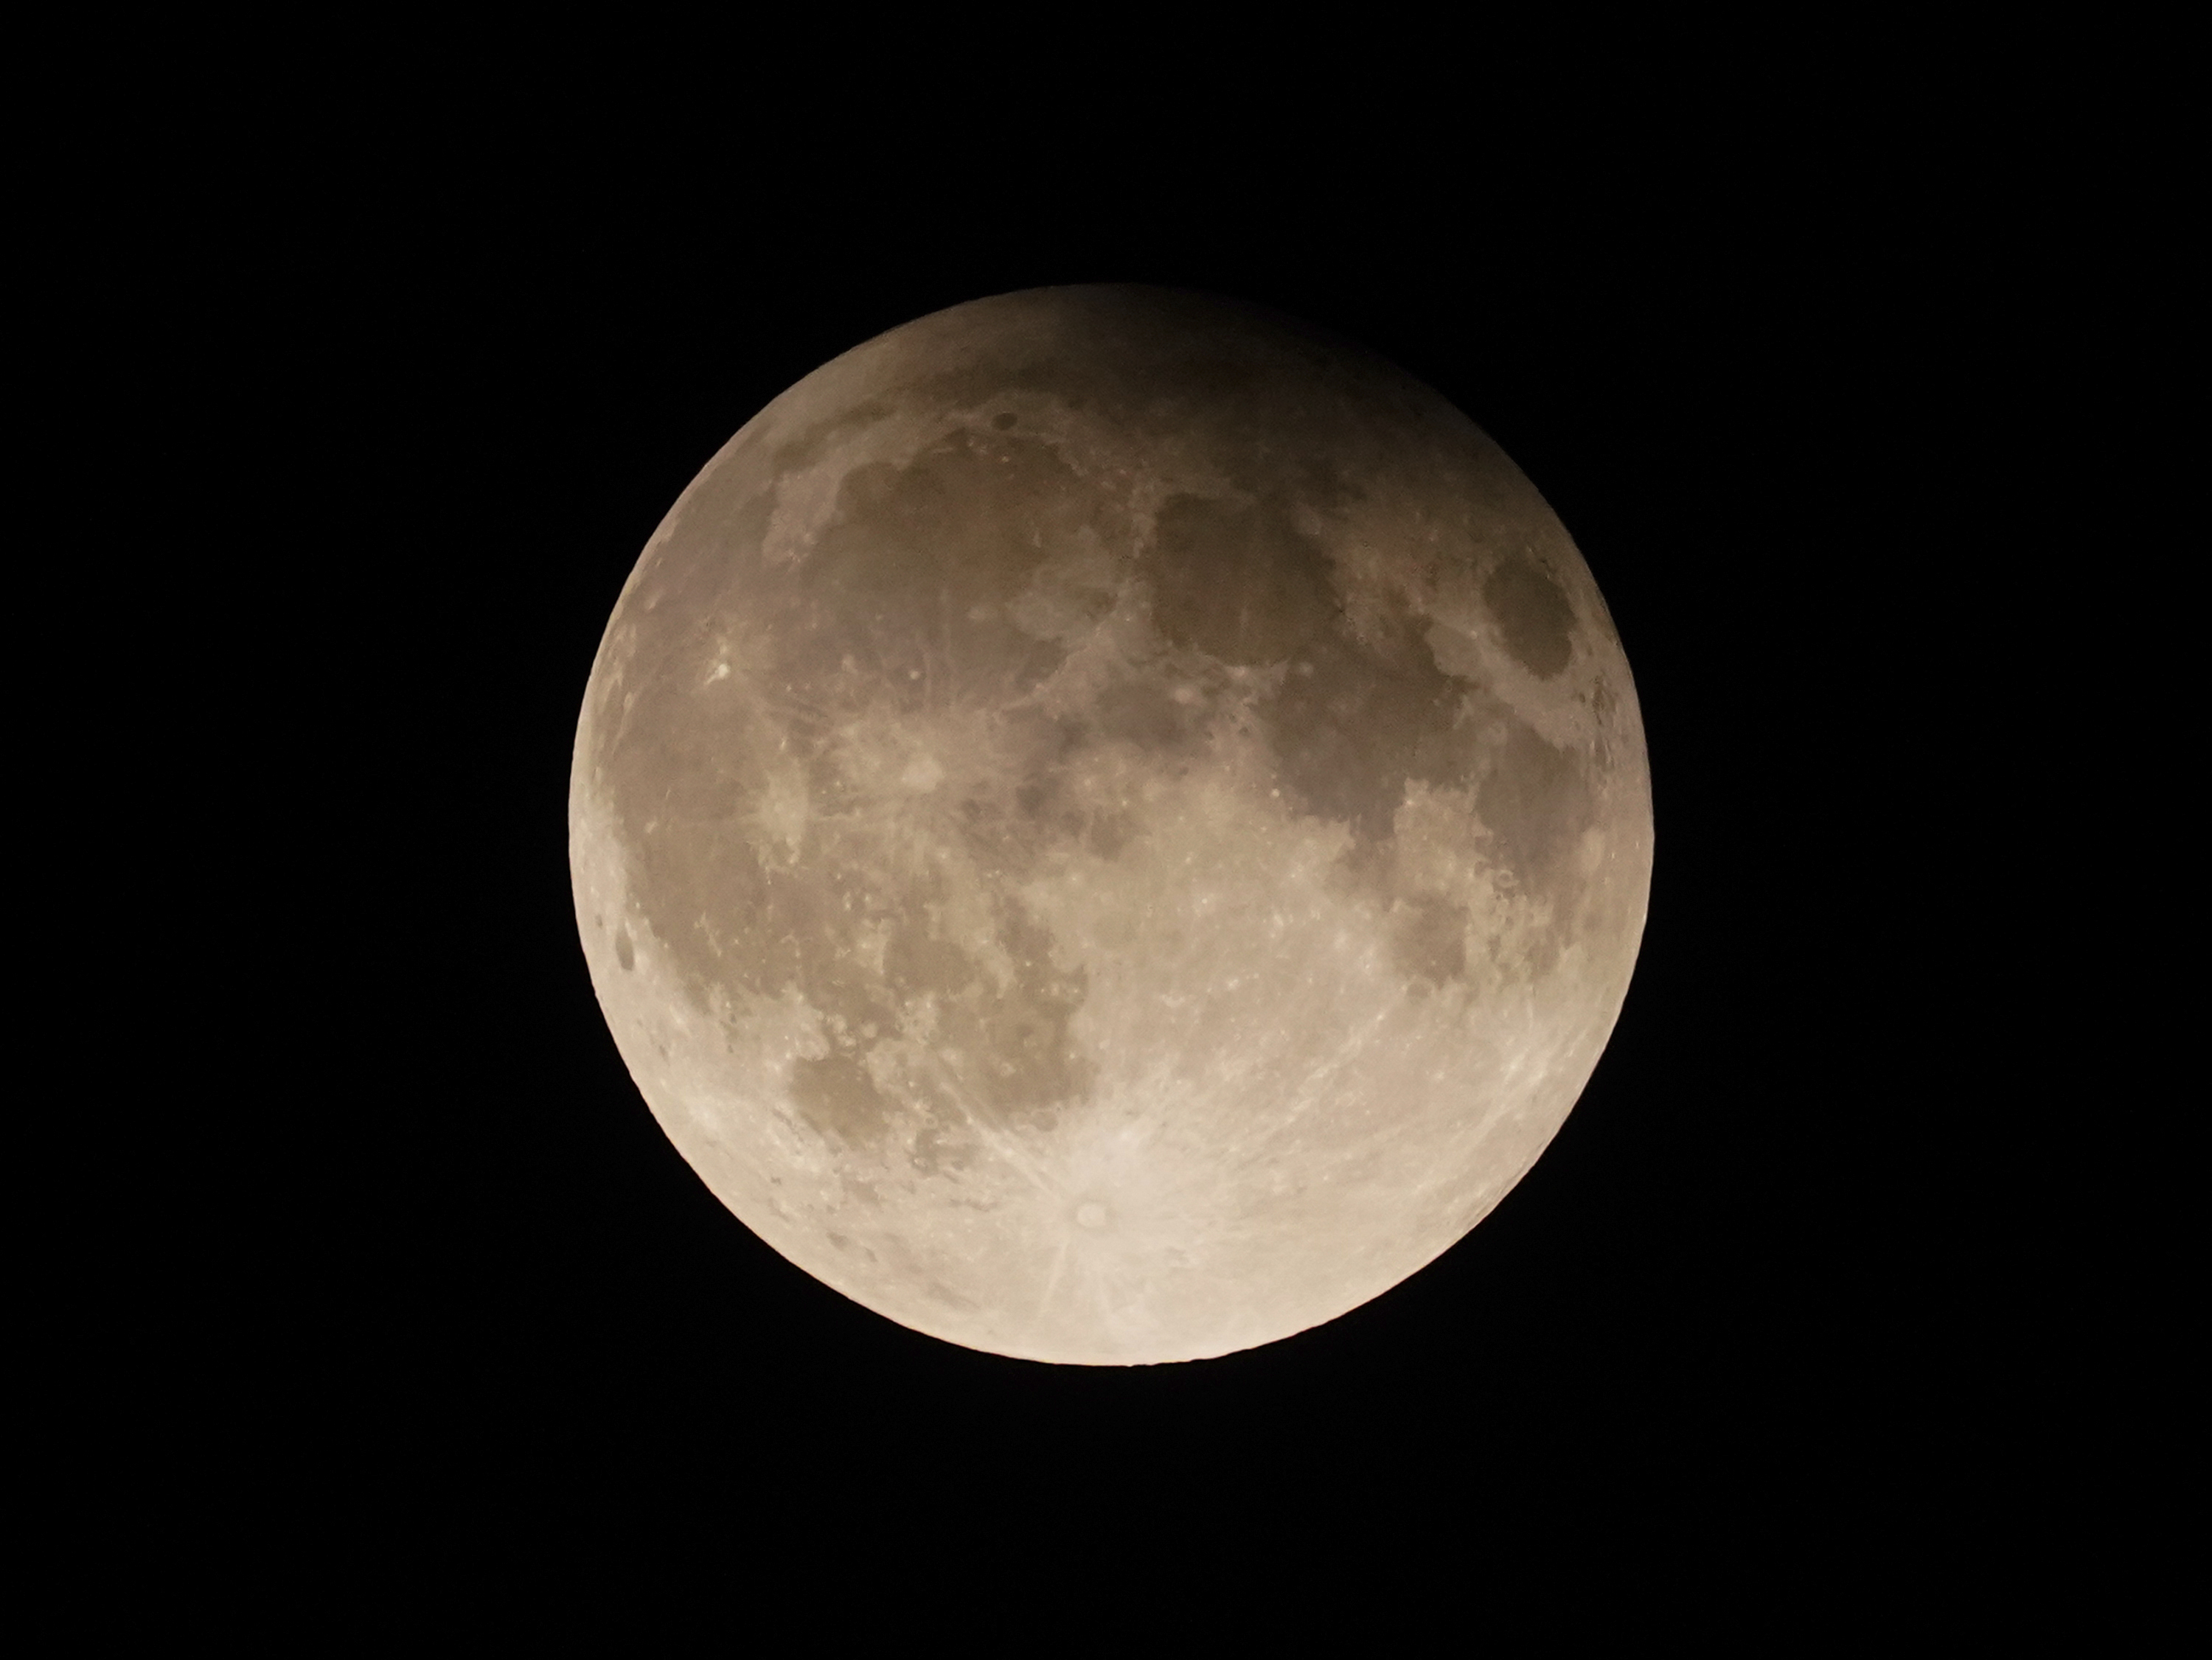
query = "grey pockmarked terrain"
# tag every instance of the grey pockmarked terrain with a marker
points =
(1109, 828)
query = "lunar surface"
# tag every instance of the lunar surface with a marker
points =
(1109, 827)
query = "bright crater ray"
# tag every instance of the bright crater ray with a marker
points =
(1109, 828)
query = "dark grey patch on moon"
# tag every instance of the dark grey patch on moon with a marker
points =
(839, 1099)
(624, 952)
(1142, 713)
(983, 514)
(1535, 803)
(1236, 580)
(1351, 726)
(1428, 940)
(1533, 615)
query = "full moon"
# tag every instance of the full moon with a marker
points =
(1110, 826)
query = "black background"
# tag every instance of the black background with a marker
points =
(1729, 352)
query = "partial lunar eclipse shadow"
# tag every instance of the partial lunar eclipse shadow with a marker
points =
(1109, 827)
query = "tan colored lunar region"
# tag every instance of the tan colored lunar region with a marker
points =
(1109, 827)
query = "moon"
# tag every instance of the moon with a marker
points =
(1110, 826)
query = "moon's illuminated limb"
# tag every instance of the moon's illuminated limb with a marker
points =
(1109, 829)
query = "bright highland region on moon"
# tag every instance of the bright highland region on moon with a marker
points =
(1109, 827)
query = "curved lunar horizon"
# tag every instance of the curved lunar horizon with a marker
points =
(1111, 827)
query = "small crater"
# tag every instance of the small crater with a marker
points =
(1091, 1214)
(1004, 422)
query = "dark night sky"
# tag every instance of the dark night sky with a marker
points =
(1712, 357)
